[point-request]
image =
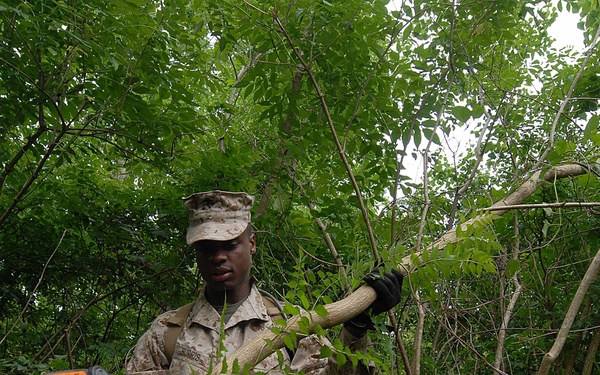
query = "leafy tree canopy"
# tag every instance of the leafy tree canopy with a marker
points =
(112, 111)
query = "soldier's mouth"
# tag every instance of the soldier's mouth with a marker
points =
(220, 274)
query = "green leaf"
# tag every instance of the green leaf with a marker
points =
(321, 311)
(490, 267)
(591, 131)
(461, 113)
(478, 111)
(563, 147)
(326, 352)
(341, 358)
(304, 301)
(235, 368)
(291, 309)
(512, 267)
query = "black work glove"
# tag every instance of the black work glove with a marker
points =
(389, 289)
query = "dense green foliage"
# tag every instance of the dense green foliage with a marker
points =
(112, 111)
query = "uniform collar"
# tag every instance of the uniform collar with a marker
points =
(253, 308)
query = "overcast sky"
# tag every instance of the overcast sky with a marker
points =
(565, 31)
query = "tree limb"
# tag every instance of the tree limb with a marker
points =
(501, 207)
(565, 328)
(590, 362)
(257, 349)
(254, 351)
(499, 360)
(544, 205)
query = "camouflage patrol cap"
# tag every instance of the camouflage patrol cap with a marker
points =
(217, 215)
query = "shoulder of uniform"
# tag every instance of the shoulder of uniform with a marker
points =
(177, 317)
(274, 307)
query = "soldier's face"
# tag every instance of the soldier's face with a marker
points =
(225, 265)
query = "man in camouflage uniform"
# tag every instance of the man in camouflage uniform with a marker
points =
(230, 309)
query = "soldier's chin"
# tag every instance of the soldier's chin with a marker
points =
(220, 286)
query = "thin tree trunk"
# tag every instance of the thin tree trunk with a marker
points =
(418, 343)
(554, 352)
(572, 357)
(498, 361)
(590, 359)
(575, 346)
(499, 358)
(287, 128)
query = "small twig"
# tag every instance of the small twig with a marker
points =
(69, 349)
(34, 289)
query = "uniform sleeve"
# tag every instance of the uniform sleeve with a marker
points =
(307, 357)
(148, 357)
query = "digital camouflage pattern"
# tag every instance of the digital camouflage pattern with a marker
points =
(199, 342)
(217, 215)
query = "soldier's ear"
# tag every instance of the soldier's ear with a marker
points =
(252, 241)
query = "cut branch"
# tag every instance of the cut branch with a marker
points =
(254, 351)
(257, 349)
(501, 207)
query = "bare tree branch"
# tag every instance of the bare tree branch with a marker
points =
(587, 280)
(544, 205)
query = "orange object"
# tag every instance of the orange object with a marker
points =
(94, 370)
